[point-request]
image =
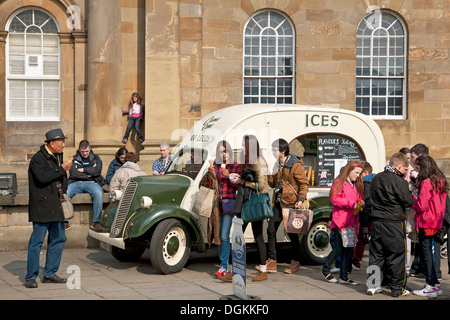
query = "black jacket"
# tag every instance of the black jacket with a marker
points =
(91, 173)
(390, 196)
(43, 172)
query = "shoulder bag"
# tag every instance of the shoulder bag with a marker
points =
(66, 203)
(257, 207)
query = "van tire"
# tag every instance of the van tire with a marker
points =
(170, 246)
(316, 243)
(132, 252)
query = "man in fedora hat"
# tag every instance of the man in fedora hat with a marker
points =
(44, 210)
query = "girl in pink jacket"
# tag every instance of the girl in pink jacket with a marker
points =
(346, 195)
(430, 209)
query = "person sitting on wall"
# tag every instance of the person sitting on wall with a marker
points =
(160, 165)
(87, 166)
(129, 170)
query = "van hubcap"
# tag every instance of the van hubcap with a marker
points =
(172, 245)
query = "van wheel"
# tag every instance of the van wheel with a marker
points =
(133, 251)
(170, 246)
(316, 244)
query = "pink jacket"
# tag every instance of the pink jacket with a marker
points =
(429, 206)
(344, 205)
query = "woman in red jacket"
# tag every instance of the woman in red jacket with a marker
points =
(346, 196)
(430, 208)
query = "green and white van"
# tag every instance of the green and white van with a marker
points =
(155, 211)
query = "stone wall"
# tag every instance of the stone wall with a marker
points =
(15, 229)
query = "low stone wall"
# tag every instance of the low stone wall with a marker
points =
(15, 229)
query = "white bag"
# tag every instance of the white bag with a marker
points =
(67, 207)
(203, 205)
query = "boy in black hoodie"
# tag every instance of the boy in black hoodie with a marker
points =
(390, 196)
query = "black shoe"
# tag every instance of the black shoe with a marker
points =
(54, 279)
(328, 277)
(31, 284)
(96, 227)
(141, 140)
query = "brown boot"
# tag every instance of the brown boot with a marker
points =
(294, 267)
(228, 277)
(271, 266)
(261, 276)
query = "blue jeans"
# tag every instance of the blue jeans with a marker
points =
(340, 254)
(224, 247)
(429, 256)
(94, 190)
(55, 245)
(136, 123)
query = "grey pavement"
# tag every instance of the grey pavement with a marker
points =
(102, 277)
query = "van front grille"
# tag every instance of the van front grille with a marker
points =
(123, 208)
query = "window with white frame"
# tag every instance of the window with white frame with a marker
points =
(32, 67)
(269, 58)
(381, 55)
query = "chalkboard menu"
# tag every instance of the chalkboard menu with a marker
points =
(333, 153)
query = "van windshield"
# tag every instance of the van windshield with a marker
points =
(188, 161)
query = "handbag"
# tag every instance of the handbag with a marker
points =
(257, 207)
(348, 235)
(203, 205)
(297, 221)
(228, 206)
(66, 203)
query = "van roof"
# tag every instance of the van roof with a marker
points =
(240, 119)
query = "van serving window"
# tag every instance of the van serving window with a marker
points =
(324, 155)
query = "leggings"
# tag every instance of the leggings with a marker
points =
(257, 228)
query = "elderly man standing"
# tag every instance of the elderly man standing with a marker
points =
(160, 165)
(46, 169)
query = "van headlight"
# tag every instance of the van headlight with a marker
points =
(115, 195)
(146, 202)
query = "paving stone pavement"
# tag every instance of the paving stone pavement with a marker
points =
(102, 277)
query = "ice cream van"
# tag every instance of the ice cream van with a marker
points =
(155, 212)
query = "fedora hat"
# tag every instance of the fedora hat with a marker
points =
(54, 134)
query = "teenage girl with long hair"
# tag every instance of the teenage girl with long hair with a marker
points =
(251, 157)
(346, 195)
(430, 209)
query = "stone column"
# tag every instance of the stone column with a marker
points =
(162, 70)
(80, 82)
(104, 100)
(3, 35)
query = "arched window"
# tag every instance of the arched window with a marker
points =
(381, 55)
(269, 58)
(32, 67)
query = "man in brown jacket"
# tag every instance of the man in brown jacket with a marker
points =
(290, 189)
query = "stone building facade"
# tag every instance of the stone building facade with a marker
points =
(186, 59)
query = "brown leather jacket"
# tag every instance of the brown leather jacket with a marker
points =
(294, 184)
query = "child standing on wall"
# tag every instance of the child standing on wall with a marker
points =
(135, 113)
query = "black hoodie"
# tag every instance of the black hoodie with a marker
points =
(390, 196)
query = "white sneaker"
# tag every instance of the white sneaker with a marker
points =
(405, 293)
(426, 291)
(335, 270)
(355, 267)
(373, 291)
(437, 289)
